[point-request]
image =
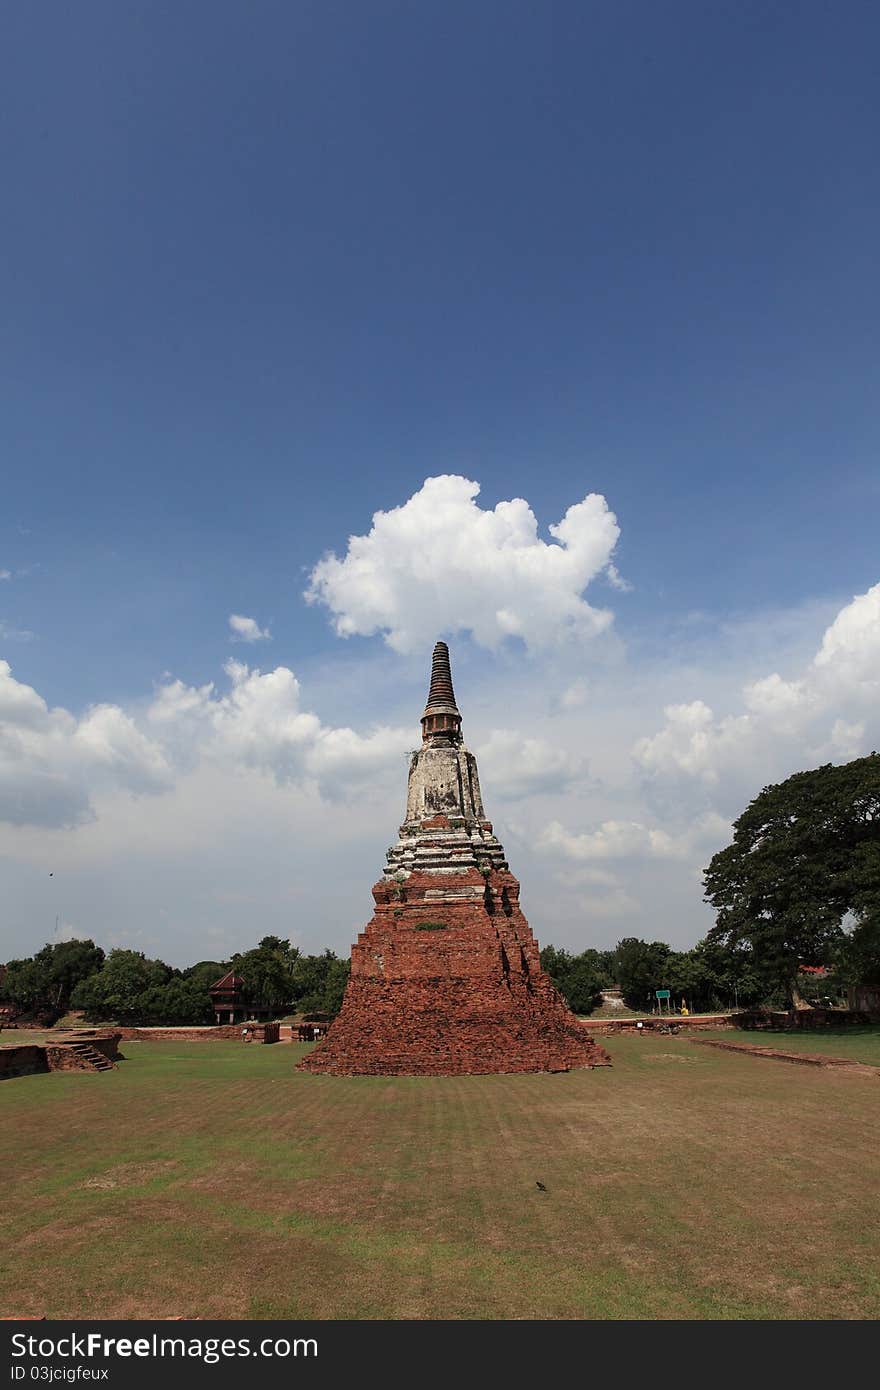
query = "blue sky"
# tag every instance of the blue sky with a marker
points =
(266, 268)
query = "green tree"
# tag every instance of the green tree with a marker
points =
(641, 967)
(179, 1001)
(67, 963)
(334, 986)
(44, 983)
(557, 963)
(858, 957)
(319, 982)
(205, 973)
(267, 971)
(114, 992)
(25, 985)
(579, 979)
(804, 853)
(685, 977)
(606, 964)
(584, 985)
(729, 976)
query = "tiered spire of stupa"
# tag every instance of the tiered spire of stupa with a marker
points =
(441, 722)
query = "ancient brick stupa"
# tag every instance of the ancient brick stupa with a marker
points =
(446, 979)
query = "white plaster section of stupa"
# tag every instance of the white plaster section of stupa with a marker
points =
(444, 781)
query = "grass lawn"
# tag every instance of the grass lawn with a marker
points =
(858, 1044)
(212, 1180)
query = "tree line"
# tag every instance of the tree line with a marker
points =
(126, 986)
(707, 978)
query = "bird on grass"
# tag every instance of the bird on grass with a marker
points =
(540, 1186)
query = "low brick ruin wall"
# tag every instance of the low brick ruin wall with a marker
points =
(22, 1059)
(748, 1019)
(263, 1033)
(105, 1042)
(651, 1023)
(61, 1058)
(29, 1059)
(218, 1032)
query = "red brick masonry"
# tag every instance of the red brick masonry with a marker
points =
(652, 1023)
(57, 1054)
(213, 1032)
(451, 984)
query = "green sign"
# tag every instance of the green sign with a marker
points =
(661, 993)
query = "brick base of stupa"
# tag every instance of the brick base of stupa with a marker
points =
(446, 981)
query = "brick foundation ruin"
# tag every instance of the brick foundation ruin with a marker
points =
(446, 979)
(89, 1051)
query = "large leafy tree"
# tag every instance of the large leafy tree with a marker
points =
(115, 992)
(267, 971)
(723, 977)
(44, 983)
(580, 979)
(641, 968)
(180, 1001)
(804, 854)
(319, 982)
(858, 960)
(205, 973)
(685, 975)
(25, 986)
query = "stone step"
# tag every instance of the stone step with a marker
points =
(96, 1060)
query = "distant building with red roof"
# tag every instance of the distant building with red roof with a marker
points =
(231, 1004)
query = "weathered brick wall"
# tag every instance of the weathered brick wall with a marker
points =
(446, 979)
(23, 1059)
(102, 1040)
(56, 1054)
(61, 1058)
(231, 1032)
(605, 1027)
(262, 1032)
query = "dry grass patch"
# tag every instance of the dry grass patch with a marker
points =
(215, 1180)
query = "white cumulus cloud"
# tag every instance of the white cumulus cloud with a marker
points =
(441, 563)
(574, 695)
(629, 839)
(850, 650)
(616, 579)
(774, 697)
(259, 723)
(51, 762)
(613, 839)
(847, 740)
(247, 629)
(516, 766)
(787, 724)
